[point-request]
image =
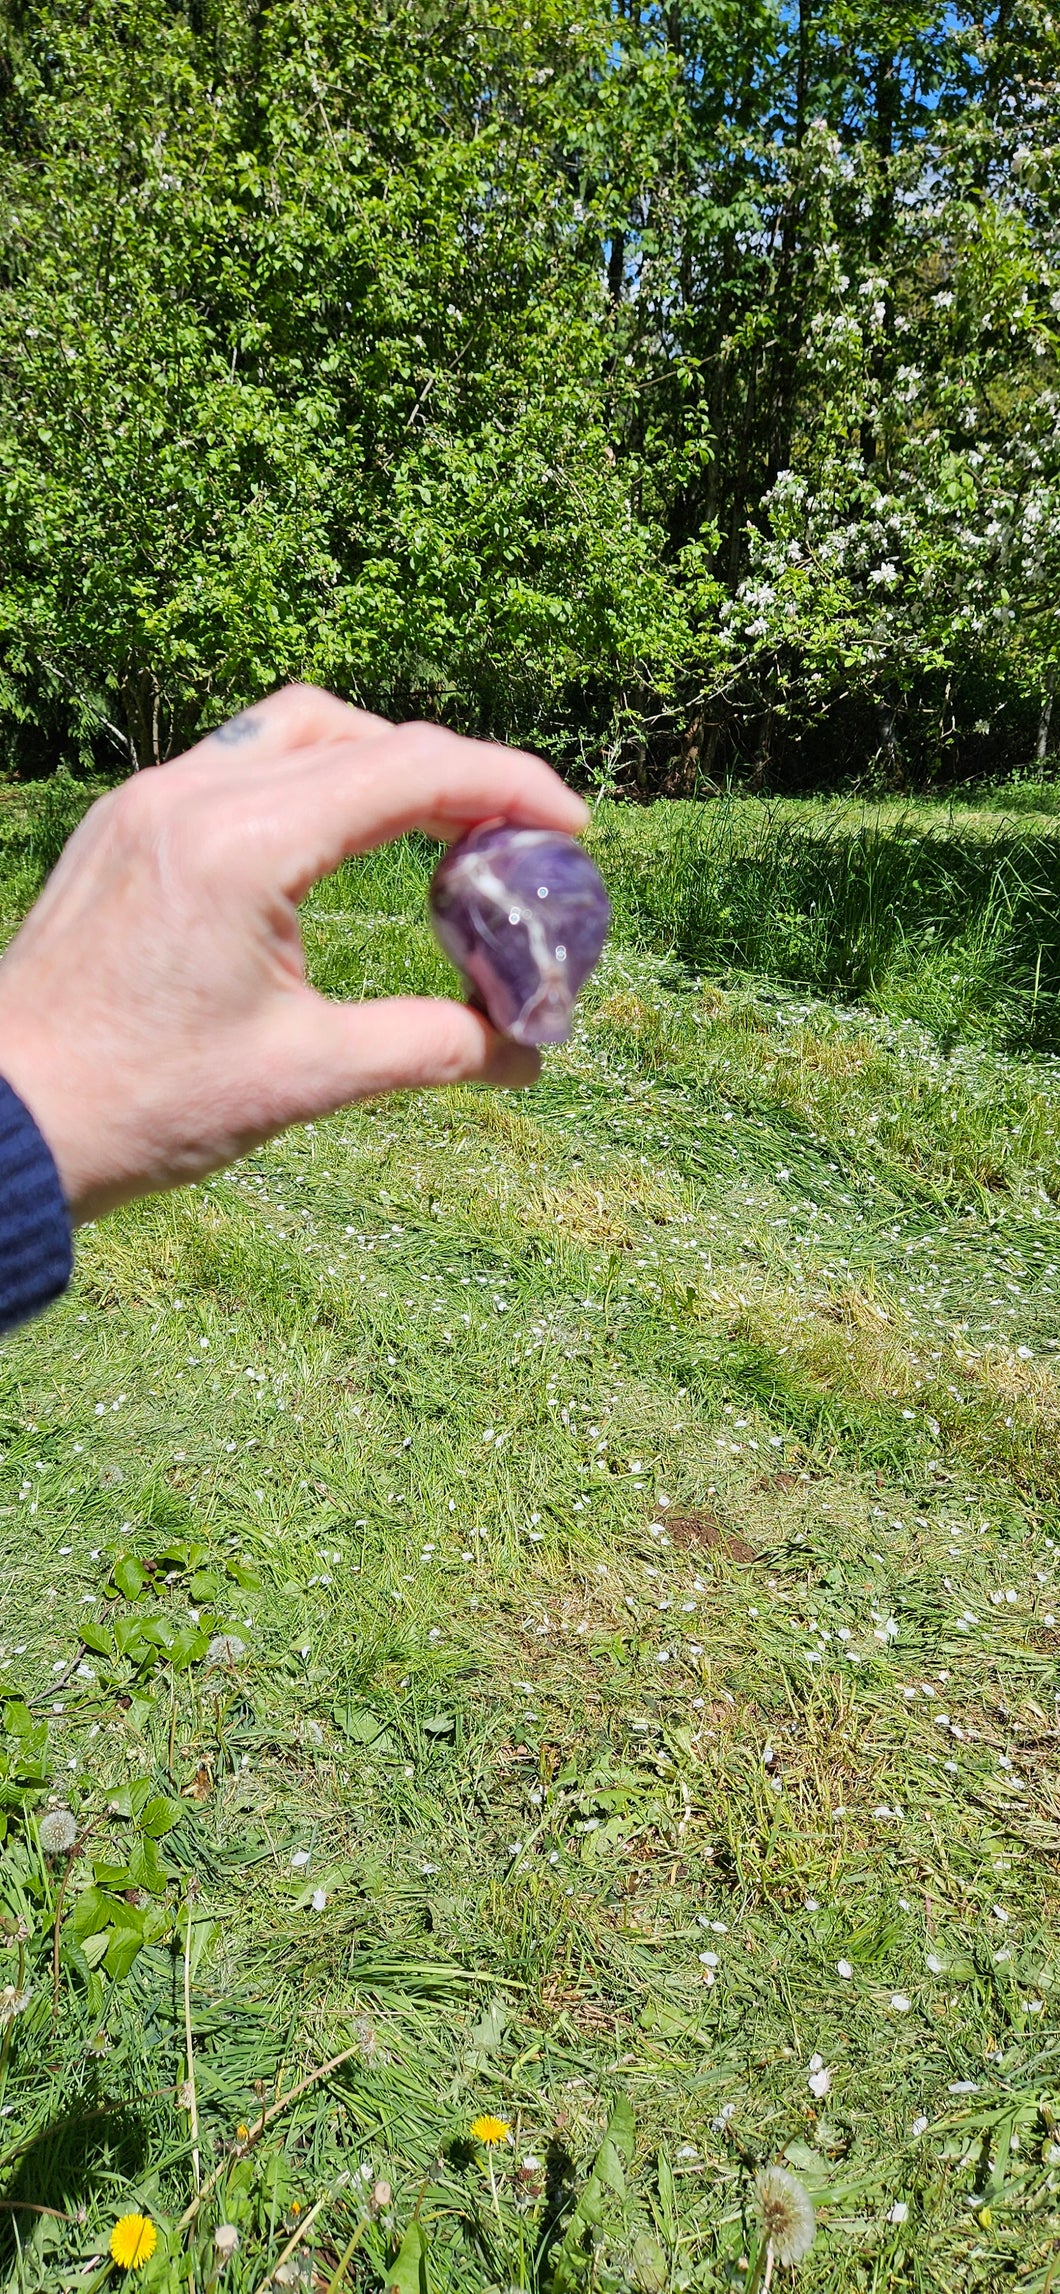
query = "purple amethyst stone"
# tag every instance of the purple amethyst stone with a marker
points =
(523, 914)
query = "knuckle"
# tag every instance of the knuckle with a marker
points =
(424, 743)
(137, 805)
(307, 707)
(162, 814)
(299, 694)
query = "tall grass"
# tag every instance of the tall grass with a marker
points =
(917, 915)
(921, 913)
(958, 930)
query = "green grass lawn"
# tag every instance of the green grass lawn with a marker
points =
(549, 1607)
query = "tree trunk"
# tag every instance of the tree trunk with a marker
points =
(888, 748)
(141, 700)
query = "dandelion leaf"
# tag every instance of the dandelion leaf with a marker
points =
(648, 2264)
(616, 2151)
(609, 2173)
(486, 2035)
(407, 2274)
(667, 2195)
(363, 1726)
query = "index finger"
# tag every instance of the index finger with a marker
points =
(353, 797)
(293, 717)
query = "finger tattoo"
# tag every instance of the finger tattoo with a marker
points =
(241, 728)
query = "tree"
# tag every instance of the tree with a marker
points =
(304, 374)
(674, 388)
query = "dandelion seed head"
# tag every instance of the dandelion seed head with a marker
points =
(58, 1831)
(13, 2002)
(225, 1649)
(788, 2219)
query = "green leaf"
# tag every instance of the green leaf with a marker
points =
(666, 2020)
(148, 1872)
(93, 1911)
(160, 1815)
(158, 1633)
(407, 2274)
(186, 1647)
(131, 1799)
(129, 1577)
(364, 1727)
(616, 2151)
(121, 1951)
(112, 1875)
(667, 2196)
(609, 2173)
(97, 1638)
(180, 1553)
(129, 1639)
(650, 2269)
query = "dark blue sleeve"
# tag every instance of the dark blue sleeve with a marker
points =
(36, 1246)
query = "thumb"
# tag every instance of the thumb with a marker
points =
(331, 1054)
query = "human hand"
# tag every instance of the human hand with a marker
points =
(154, 1012)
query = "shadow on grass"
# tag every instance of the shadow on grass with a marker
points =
(79, 2155)
(955, 930)
(559, 2194)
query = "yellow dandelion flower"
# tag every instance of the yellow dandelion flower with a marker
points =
(489, 2130)
(133, 2241)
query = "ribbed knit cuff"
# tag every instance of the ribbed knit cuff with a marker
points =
(36, 1246)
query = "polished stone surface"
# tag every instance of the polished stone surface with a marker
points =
(523, 914)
